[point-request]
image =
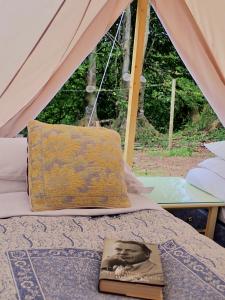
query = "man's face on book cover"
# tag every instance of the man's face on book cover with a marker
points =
(130, 253)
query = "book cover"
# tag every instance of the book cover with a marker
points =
(131, 268)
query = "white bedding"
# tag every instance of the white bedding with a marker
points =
(207, 181)
(17, 204)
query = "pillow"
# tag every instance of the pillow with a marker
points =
(13, 159)
(75, 167)
(207, 181)
(11, 186)
(134, 185)
(215, 164)
(218, 148)
(13, 166)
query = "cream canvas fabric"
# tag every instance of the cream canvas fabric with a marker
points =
(54, 38)
(63, 33)
(197, 30)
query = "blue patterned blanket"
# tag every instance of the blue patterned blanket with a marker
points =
(194, 265)
(72, 274)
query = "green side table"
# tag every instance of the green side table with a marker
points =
(176, 193)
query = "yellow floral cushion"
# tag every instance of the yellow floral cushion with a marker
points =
(75, 167)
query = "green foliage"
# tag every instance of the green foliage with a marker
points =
(161, 65)
(185, 142)
(107, 101)
(185, 152)
(181, 151)
(207, 117)
(145, 133)
(187, 100)
(68, 106)
(216, 135)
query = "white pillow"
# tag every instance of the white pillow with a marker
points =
(13, 159)
(218, 148)
(215, 164)
(207, 181)
(13, 166)
(11, 186)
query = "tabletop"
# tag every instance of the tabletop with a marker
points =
(175, 190)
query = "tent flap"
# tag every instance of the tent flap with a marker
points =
(55, 46)
(45, 41)
(197, 29)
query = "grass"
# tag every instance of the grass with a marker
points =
(185, 142)
(183, 152)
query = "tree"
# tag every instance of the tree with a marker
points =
(91, 90)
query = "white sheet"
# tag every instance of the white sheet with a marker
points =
(17, 204)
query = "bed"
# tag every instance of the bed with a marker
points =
(57, 255)
(38, 256)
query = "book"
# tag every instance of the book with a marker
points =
(131, 268)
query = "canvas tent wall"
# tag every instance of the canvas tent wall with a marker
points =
(43, 42)
(196, 29)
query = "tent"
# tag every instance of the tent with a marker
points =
(45, 41)
(42, 43)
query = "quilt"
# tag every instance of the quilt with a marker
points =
(59, 257)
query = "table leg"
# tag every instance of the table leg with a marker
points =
(211, 222)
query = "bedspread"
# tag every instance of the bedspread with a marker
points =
(194, 266)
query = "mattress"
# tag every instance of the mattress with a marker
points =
(40, 256)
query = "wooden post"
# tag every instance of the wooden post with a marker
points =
(136, 71)
(172, 113)
(211, 222)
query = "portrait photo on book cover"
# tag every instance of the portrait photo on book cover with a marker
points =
(131, 261)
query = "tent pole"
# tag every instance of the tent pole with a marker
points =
(136, 71)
